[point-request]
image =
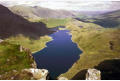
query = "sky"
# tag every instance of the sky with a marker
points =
(81, 5)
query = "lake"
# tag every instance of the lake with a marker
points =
(59, 55)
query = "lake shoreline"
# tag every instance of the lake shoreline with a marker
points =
(63, 44)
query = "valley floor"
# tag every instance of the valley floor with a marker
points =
(100, 46)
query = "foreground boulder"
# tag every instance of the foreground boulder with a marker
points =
(1, 40)
(62, 78)
(93, 74)
(38, 74)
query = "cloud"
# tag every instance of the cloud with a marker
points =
(81, 5)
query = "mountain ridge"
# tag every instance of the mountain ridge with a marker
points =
(40, 12)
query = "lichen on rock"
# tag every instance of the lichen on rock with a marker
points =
(62, 78)
(1, 40)
(93, 74)
(38, 74)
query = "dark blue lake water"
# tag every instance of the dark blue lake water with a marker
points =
(59, 55)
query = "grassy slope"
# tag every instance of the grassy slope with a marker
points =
(36, 45)
(12, 59)
(52, 22)
(33, 45)
(94, 41)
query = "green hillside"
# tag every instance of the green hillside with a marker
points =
(52, 22)
(12, 61)
(33, 44)
(97, 43)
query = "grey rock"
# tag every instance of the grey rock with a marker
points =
(62, 78)
(21, 48)
(1, 40)
(12, 78)
(93, 74)
(15, 71)
(39, 74)
(8, 60)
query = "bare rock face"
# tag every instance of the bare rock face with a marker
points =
(62, 78)
(39, 74)
(93, 74)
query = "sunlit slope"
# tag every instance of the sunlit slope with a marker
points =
(36, 12)
(33, 44)
(53, 22)
(97, 43)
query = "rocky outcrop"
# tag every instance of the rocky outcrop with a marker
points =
(93, 74)
(62, 78)
(1, 40)
(38, 74)
(23, 49)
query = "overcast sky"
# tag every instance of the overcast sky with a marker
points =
(81, 5)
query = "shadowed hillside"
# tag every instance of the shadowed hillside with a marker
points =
(12, 25)
(110, 19)
(110, 69)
